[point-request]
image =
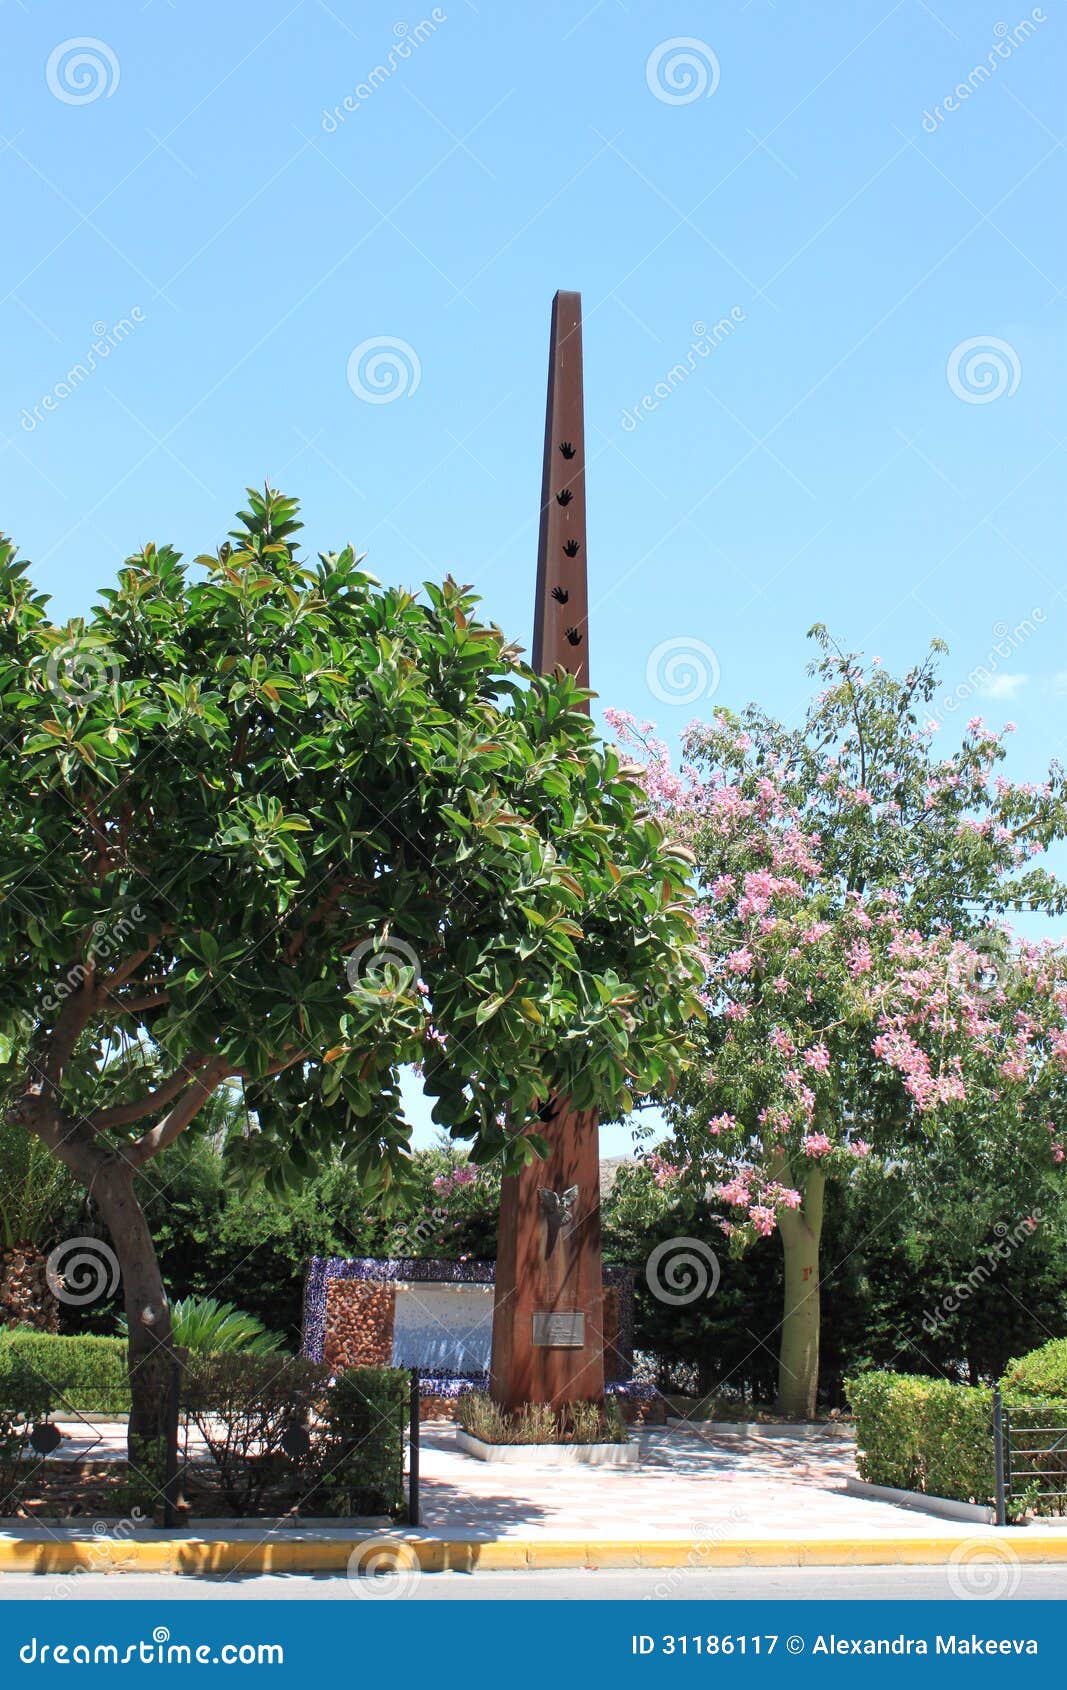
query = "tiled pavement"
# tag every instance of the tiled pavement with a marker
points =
(691, 1484)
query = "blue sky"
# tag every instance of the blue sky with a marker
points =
(875, 441)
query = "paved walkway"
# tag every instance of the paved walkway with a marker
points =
(690, 1484)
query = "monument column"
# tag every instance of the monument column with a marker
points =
(548, 1344)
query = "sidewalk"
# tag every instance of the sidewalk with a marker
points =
(696, 1499)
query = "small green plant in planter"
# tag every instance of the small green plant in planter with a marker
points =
(537, 1423)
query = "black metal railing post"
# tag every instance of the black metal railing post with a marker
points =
(999, 1486)
(413, 1449)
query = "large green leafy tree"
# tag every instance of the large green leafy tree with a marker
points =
(265, 819)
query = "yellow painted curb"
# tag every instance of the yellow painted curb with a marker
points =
(278, 1555)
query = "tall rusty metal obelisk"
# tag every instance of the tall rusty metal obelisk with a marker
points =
(548, 1342)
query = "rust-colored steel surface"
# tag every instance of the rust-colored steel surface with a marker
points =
(561, 608)
(548, 1340)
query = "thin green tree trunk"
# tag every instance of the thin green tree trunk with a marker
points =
(798, 1352)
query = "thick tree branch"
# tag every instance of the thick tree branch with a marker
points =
(131, 964)
(124, 1114)
(70, 1025)
(175, 1121)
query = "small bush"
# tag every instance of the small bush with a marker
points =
(204, 1326)
(85, 1375)
(23, 1401)
(1041, 1374)
(245, 1407)
(357, 1457)
(536, 1423)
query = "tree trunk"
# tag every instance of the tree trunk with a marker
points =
(147, 1315)
(798, 1354)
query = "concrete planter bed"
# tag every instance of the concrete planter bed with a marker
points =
(550, 1455)
(841, 1431)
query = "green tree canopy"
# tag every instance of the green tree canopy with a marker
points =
(264, 818)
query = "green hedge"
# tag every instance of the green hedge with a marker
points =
(357, 1456)
(916, 1433)
(922, 1434)
(85, 1374)
(1042, 1373)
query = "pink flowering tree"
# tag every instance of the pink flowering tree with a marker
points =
(863, 988)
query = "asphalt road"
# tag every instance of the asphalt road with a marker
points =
(727, 1584)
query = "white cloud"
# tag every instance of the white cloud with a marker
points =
(1002, 686)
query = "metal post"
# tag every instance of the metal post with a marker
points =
(998, 1458)
(413, 1450)
(170, 1487)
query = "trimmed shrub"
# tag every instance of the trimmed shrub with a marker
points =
(358, 1445)
(921, 1434)
(23, 1400)
(246, 1408)
(1042, 1373)
(86, 1375)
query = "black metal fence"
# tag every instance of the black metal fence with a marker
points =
(1029, 1457)
(414, 1424)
